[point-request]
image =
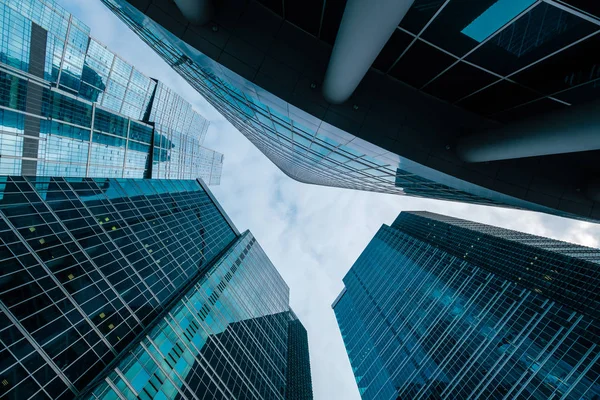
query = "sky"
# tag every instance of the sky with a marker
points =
(312, 234)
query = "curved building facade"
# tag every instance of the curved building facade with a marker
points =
(444, 85)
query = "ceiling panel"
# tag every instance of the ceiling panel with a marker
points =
(420, 64)
(446, 30)
(501, 44)
(274, 5)
(542, 31)
(334, 10)
(304, 13)
(458, 82)
(498, 97)
(589, 6)
(528, 110)
(584, 93)
(574, 66)
(392, 50)
(419, 14)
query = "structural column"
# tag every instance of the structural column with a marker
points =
(572, 130)
(366, 27)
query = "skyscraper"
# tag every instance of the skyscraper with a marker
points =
(117, 288)
(71, 107)
(298, 371)
(494, 103)
(441, 308)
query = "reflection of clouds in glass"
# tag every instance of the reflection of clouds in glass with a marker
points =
(417, 313)
(126, 107)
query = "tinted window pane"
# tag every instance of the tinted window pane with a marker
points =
(538, 33)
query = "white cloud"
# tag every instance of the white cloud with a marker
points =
(312, 234)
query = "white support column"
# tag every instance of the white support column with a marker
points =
(198, 12)
(572, 130)
(366, 27)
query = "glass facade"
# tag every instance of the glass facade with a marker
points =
(306, 148)
(418, 186)
(298, 372)
(225, 338)
(116, 288)
(71, 107)
(437, 307)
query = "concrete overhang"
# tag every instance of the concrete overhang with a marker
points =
(268, 48)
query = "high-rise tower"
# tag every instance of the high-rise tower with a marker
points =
(490, 103)
(438, 307)
(71, 107)
(138, 288)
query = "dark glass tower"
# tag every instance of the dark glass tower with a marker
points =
(71, 107)
(472, 103)
(123, 288)
(441, 308)
(298, 372)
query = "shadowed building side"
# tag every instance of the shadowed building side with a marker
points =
(299, 379)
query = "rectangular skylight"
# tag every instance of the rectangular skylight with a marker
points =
(495, 17)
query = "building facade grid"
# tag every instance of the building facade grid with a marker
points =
(122, 288)
(298, 371)
(304, 147)
(86, 265)
(71, 107)
(420, 320)
(223, 317)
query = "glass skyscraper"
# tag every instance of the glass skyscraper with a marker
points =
(71, 107)
(116, 288)
(441, 308)
(304, 147)
(298, 371)
(262, 65)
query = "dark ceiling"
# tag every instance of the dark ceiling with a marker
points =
(542, 60)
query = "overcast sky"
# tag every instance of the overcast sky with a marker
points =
(312, 234)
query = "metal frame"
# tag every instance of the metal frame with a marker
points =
(406, 238)
(556, 3)
(216, 203)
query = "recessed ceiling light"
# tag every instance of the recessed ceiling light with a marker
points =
(495, 17)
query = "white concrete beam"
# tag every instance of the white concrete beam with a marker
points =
(572, 130)
(366, 27)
